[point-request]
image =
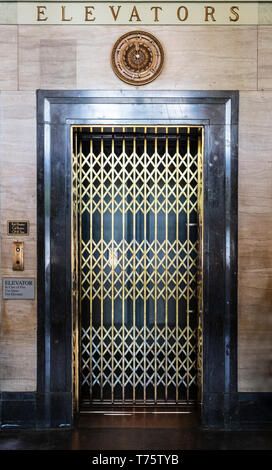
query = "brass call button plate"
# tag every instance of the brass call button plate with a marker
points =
(18, 227)
(18, 256)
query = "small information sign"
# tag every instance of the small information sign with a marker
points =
(18, 288)
(18, 227)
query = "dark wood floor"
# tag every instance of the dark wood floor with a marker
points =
(141, 430)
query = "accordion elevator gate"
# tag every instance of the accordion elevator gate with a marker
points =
(137, 231)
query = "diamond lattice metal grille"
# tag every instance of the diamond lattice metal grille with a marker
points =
(137, 200)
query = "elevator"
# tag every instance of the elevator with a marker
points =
(137, 254)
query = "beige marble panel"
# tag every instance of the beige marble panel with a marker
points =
(255, 180)
(255, 242)
(18, 326)
(58, 64)
(250, 321)
(8, 58)
(18, 188)
(18, 157)
(18, 385)
(255, 137)
(18, 201)
(253, 226)
(255, 287)
(18, 127)
(18, 346)
(251, 380)
(255, 352)
(196, 57)
(35, 45)
(265, 58)
(18, 331)
(255, 254)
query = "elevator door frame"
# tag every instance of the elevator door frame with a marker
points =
(89, 342)
(217, 112)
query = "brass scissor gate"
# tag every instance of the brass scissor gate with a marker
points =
(138, 223)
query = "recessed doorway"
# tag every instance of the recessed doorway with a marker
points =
(137, 201)
(132, 357)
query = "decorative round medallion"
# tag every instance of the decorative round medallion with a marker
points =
(137, 58)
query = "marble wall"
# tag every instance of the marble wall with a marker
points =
(198, 57)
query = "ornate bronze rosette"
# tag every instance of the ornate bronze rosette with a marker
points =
(137, 58)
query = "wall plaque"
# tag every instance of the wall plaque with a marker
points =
(18, 288)
(137, 58)
(18, 227)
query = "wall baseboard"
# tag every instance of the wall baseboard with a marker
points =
(20, 410)
(255, 410)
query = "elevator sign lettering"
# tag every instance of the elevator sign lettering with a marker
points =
(133, 13)
(18, 288)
